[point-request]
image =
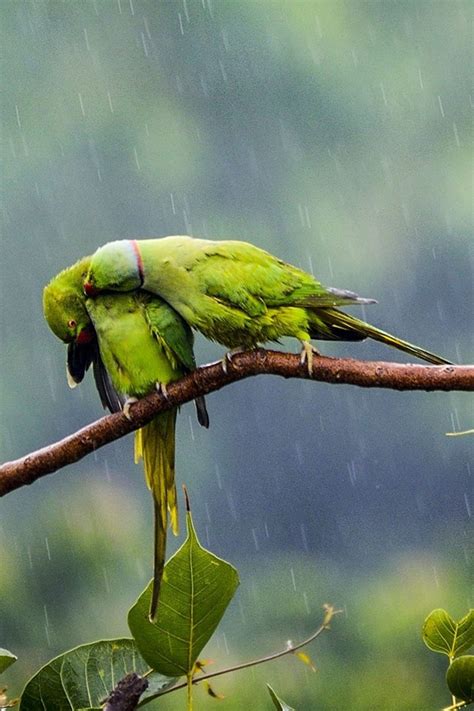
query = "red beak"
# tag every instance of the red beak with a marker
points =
(90, 289)
(86, 335)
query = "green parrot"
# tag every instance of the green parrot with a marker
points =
(135, 342)
(236, 293)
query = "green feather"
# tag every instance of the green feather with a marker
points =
(142, 342)
(235, 293)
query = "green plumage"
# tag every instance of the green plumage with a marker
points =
(135, 348)
(141, 342)
(235, 293)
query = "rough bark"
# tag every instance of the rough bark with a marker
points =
(206, 379)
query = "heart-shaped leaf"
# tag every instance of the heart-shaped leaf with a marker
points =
(6, 659)
(442, 634)
(196, 588)
(460, 678)
(84, 676)
(278, 703)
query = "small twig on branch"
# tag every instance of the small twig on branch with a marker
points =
(126, 695)
(206, 379)
(290, 648)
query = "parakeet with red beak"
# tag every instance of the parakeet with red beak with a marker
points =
(135, 342)
(236, 293)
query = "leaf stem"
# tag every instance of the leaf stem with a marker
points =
(451, 659)
(330, 612)
(457, 705)
(189, 695)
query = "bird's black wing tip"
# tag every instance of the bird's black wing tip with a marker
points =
(201, 411)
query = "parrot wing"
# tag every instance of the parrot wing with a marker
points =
(176, 339)
(241, 275)
(173, 334)
(109, 396)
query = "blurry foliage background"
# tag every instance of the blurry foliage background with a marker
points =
(336, 135)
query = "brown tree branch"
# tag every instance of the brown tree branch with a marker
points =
(206, 379)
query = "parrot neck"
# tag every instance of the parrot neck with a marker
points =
(138, 256)
(162, 271)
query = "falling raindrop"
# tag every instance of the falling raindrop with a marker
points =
(81, 103)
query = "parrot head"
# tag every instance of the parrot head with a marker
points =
(65, 313)
(64, 304)
(116, 266)
(64, 308)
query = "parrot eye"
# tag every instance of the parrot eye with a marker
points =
(71, 323)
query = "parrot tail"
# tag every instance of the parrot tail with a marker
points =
(155, 444)
(332, 324)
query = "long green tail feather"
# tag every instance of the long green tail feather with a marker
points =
(155, 444)
(337, 325)
(159, 555)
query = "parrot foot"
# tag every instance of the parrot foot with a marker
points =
(127, 405)
(308, 352)
(229, 355)
(162, 390)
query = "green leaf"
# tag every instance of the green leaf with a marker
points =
(6, 659)
(442, 634)
(460, 678)
(278, 703)
(196, 589)
(84, 676)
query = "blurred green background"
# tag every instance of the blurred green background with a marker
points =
(338, 136)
